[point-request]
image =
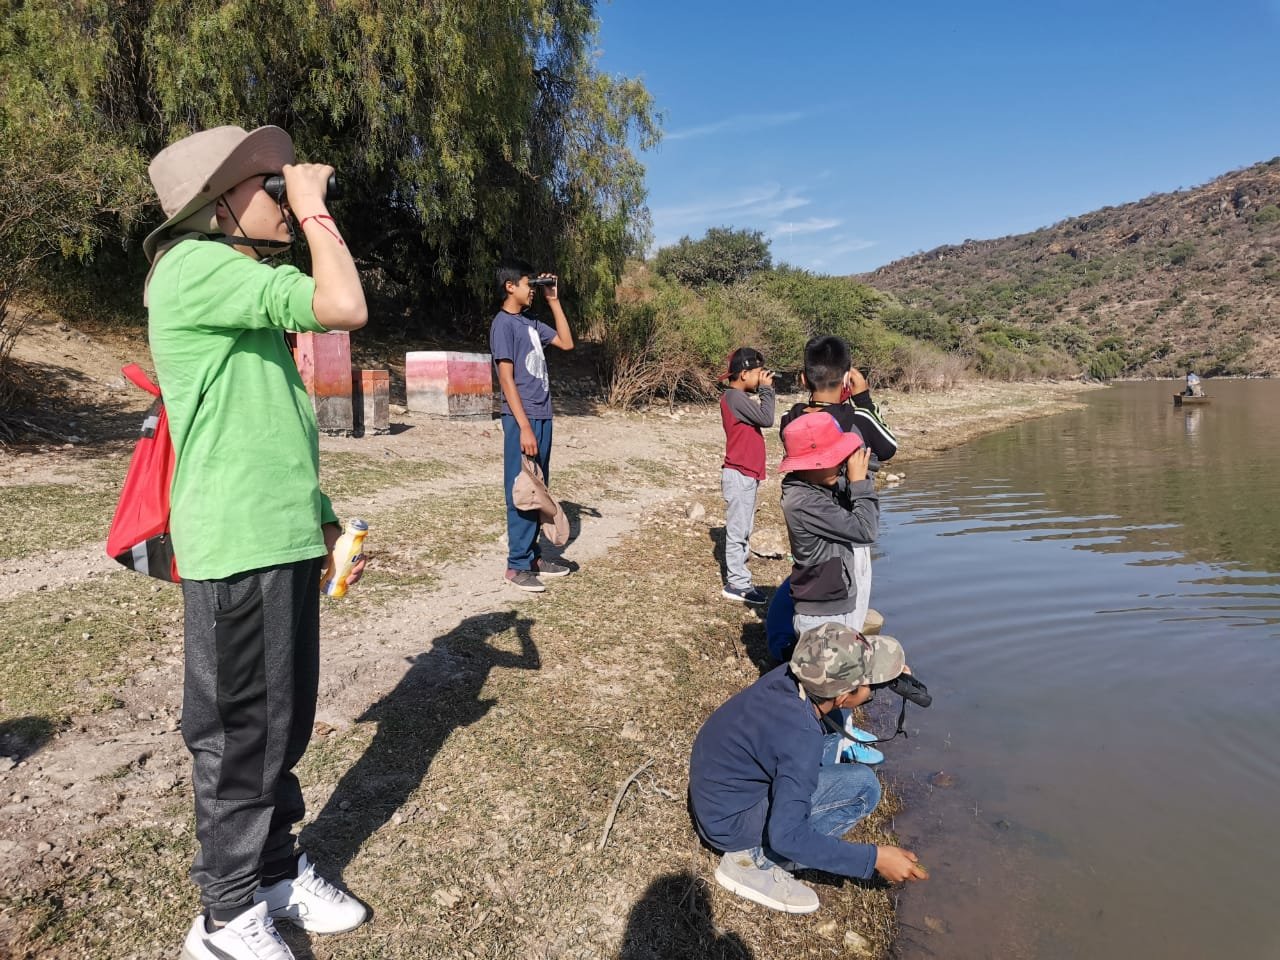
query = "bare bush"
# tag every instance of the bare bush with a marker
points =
(922, 367)
(52, 205)
(644, 362)
(12, 320)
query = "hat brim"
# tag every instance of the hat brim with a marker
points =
(556, 528)
(264, 150)
(887, 658)
(831, 456)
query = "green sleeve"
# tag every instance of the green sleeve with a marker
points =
(327, 514)
(227, 290)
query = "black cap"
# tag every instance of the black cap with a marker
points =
(744, 358)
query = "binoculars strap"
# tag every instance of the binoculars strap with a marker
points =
(902, 717)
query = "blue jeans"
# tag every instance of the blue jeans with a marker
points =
(846, 793)
(522, 525)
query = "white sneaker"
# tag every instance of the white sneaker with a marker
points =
(312, 902)
(774, 888)
(250, 936)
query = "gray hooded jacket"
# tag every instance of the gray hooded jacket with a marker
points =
(824, 525)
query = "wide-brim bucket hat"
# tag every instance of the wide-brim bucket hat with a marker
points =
(195, 171)
(814, 441)
(529, 492)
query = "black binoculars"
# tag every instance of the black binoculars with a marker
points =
(274, 185)
(542, 281)
(907, 687)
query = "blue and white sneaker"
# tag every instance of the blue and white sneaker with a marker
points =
(857, 733)
(853, 752)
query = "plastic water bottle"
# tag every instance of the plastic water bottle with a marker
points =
(346, 554)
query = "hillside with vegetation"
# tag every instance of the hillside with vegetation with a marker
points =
(682, 311)
(1177, 281)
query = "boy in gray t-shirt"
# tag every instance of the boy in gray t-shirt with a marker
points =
(516, 341)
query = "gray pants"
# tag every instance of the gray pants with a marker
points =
(739, 493)
(855, 618)
(249, 700)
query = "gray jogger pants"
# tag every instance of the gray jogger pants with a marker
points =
(249, 700)
(739, 493)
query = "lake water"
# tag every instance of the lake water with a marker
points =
(1094, 601)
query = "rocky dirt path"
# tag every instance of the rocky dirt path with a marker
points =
(68, 788)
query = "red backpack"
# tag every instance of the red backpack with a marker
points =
(139, 534)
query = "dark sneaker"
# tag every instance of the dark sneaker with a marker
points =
(549, 568)
(526, 580)
(774, 888)
(750, 595)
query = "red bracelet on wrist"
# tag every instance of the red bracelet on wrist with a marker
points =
(321, 217)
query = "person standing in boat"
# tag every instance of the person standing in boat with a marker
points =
(1193, 386)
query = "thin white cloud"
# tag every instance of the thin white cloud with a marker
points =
(740, 123)
(803, 242)
(832, 256)
(751, 205)
(811, 225)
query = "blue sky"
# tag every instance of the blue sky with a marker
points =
(856, 132)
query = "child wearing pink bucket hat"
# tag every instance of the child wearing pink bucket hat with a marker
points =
(828, 517)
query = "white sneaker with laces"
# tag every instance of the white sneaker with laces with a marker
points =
(312, 902)
(774, 887)
(250, 936)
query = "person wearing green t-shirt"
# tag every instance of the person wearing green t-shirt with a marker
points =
(251, 530)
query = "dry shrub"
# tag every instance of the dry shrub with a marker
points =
(646, 358)
(12, 319)
(922, 367)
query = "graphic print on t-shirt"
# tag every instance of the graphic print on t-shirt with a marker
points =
(535, 360)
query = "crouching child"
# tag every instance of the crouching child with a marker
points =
(765, 784)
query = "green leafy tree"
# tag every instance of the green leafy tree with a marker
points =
(462, 131)
(722, 256)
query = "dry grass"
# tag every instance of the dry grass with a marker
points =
(68, 650)
(466, 805)
(345, 475)
(49, 516)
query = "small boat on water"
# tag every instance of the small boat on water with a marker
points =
(1181, 399)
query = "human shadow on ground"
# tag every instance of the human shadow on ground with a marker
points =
(574, 512)
(755, 640)
(439, 694)
(673, 920)
(51, 403)
(717, 536)
(20, 737)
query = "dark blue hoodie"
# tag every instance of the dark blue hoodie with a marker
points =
(753, 772)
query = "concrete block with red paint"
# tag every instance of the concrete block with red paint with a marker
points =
(324, 360)
(371, 399)
(448, 383)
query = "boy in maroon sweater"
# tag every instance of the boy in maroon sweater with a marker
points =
(743, 467)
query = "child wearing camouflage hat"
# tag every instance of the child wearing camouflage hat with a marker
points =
(765, 787)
